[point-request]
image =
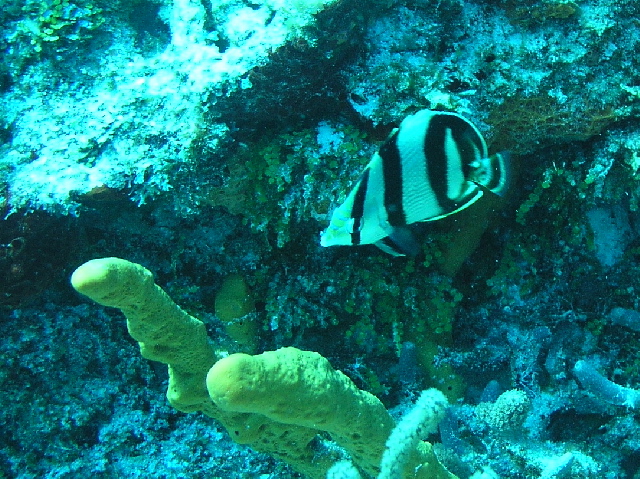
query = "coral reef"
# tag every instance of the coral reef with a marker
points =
(209, 141)
(512, 67)
(129, 117)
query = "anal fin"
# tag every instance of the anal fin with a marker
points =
(401, 242)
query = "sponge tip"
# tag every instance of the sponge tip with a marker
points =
(92, 276)
(110, 281)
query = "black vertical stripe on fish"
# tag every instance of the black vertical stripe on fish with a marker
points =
(435, 154)
(357, 210)
(392, 174)
(498, 181)
(470, 150)
(471, 146)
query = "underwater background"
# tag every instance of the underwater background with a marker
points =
(209, 141)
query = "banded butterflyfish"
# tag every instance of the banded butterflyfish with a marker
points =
(433, 165)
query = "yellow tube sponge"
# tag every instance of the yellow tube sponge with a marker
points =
(277, 402)
(234, 307)
(297, 387)
(168, 334)
(300, 387)
(161, 327)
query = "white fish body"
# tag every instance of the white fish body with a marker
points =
(434, 165)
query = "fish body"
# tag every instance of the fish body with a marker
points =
(433, 165)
